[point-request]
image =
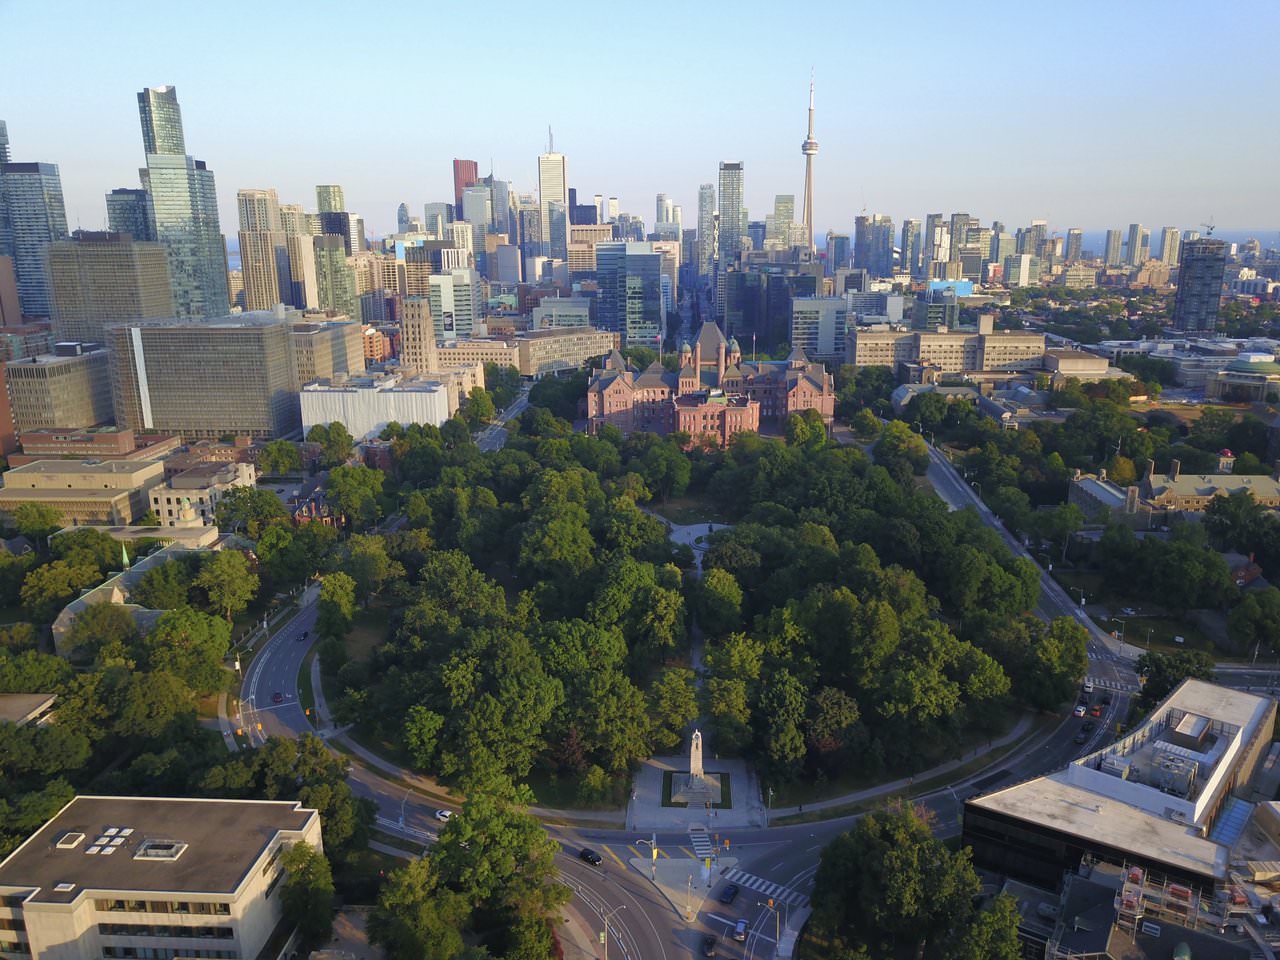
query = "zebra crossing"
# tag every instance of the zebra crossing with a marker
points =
(702, 846)
(779, 893)
(1109, 684)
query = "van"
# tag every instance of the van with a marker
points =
(740, 931)
(1088, 686)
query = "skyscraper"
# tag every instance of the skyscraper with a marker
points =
(4, 142)
(457, 303)
(553, 187)
(465, 174)
(1170, 245)
(403, 223)
(330, 199)
(32, 216)
(911, 246)
(1111, 250)
(335, 279)
(959, 234)
(931, 248)
(630, 298)
(810, 150)
(881, 264)
(161, 121)
(1134, 248)
(264, 255)
(1195, 307)
(706, 228)
(101, 278)
(838, 252)
(184, 205)
(1075, 245)
(129, 211)
(732, 214)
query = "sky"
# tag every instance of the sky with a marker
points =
(1092, 114)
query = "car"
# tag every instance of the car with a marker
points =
(444, 816)
(587, 855)
(277, 697)
(1096, 711)
(1129, 612)
(1106, 698)
(1081, 737)
(1088, 686)
(740, 931)
(708, 946)
(1088, 726)
(1079, 711)
(729, 893)
(1179, 639)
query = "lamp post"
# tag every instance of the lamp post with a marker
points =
(777, 918)
(1121, 637)
(403, 801)
(604, 934)
(1080, 591)
(769, 809)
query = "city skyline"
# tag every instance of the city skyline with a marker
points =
(902, 148)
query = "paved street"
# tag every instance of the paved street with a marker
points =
(494, 436)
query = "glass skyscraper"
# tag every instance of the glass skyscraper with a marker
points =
(630, 298)
(161, 121)
(129, 211)
(732, 214)
(1200, 274)
(32, 216)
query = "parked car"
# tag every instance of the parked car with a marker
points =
(590, 856)
(1088, 686)
(729, 893)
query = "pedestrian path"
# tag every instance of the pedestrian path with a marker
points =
(702, 847)
(793, 898)
(1108, 684)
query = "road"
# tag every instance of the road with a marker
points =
(494, 436)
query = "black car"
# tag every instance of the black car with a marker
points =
(590, 856)
(1106, 698)
(1087, 726)
(729, 893)
(708, 946)
(1081, 737)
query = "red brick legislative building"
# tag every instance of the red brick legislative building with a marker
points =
(715, 393)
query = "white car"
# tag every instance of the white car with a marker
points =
(444, 816)
(1079, 711)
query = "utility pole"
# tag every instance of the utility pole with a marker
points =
(604, 934)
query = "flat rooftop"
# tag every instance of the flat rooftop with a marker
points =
(223, 839)
(83, 466)
(18, 708)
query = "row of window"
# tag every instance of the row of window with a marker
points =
(14, 946)
(164, 930)
(198, 907)
(166, 953)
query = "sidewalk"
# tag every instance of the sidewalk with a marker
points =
(870, 793)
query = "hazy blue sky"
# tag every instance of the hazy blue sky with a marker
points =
(1088, 114)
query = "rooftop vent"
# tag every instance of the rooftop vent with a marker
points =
(70, 840)
(64, 887)
(159, 850)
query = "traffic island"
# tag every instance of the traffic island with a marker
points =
(684, 881)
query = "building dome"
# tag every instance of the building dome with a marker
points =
(1242, 365)
(733, 345)
(685, 348)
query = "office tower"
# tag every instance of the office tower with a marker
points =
(861, 242)
(1031, 239)
(629, 301)
(1111, 254)
(324, 347)
(663, 209)
(556, 227)
(4, 142)
(335, 279)
(839, 250)
(910, 262)
(500, 205)
(1075, 245)
(264, 256)
(101, 278)
(1200, 273)
(881, 246)
(818, 327)
(465, 174)
(457, 304)
(477, 210)
(706, 228)
(436, 216)
(403, 223)
(810, 150)
(553, 187)
(129, 211)
(161, 121)
(417, 336)
(330, 199)
(185, 209)
(32, 216)
(10, 310)
(69, 388)
(1133, 248)
(1170, 245)
(732, 213)
(598, 199)
(612, 208)
(1021, 270)
(303, 288)
(960, 223)
(205, 378)
(930, 244)
(1002, 245)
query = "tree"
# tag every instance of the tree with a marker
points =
(898, 443)
(37, 521)
(369, 565)
(1164, 671)
(354, 493)
(307, 898)
(336, 608)
(227, 580)
(479, 408)
(249, 508)
(335, 440)
(719, 602)
(163, 587)
(865, 424)
(101, 626)
(279, 458)
(190, 645)
(1255, 622)
(673, 705)
(47, 589)
(417, 917)
(87, 548)
(1232, 521)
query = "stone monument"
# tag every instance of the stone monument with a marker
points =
(697, 787)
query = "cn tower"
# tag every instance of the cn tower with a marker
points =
(810, 149)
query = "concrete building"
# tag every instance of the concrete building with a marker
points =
(264, 254)
(1251, 377)
(102, 278)
(1200, 275)
(151, 877)
(69, 388)
(365, 405)
(110, 492)
(417, 336)
(22, 709)
(325, 345)
(1191, 493)
(1077, 364)
(103, 443)
(543, 352)
(553, 312)
(457, 303)
(200, 487)
(949, 351)
(203, 380)
(818, 327)
(10, 306)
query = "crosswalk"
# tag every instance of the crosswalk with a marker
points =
(1109, 684)
(702, 847)
(760, 885)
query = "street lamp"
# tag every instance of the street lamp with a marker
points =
(1079, 590)
(1121, 637)
(403, 801)
(769, 809)
(604, 934)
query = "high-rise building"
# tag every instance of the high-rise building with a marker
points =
(403, 223)
(4, 142)
(960, 223)
(612, 208)
(1111, 249)
(185, 209)
(204, 378)
(1134, 247)
(457, 304)
(129, 211)
(1170, 245)
(335, 278)
(810, 150)
(417, 336)
(553, 187)
(1075, 245)
(818, 327)
(161, 121)
(1203, 265)
(556, 225)
(304, 291)
(839, 250)
(932, 247)
(69, 388)
(264, 253)
(102, 278)
(630, 300)
(732, 213)
(910, 262)
(706, 228)
(32, 216)
(465, 174)
(330, 199)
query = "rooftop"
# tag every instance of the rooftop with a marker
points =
(18, 708)
(81, 466)
(215, 843)
(1209, 484)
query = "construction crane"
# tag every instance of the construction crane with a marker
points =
(1208, 227)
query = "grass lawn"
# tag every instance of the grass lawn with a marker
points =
(1163, 630)
(688, 510)
(796, 793)
(306, 695)
(369, 630)
(207, 707)
(562, 792)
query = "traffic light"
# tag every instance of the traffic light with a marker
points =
(771, 903)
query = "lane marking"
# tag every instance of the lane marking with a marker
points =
(609, 850)
(688, 853)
